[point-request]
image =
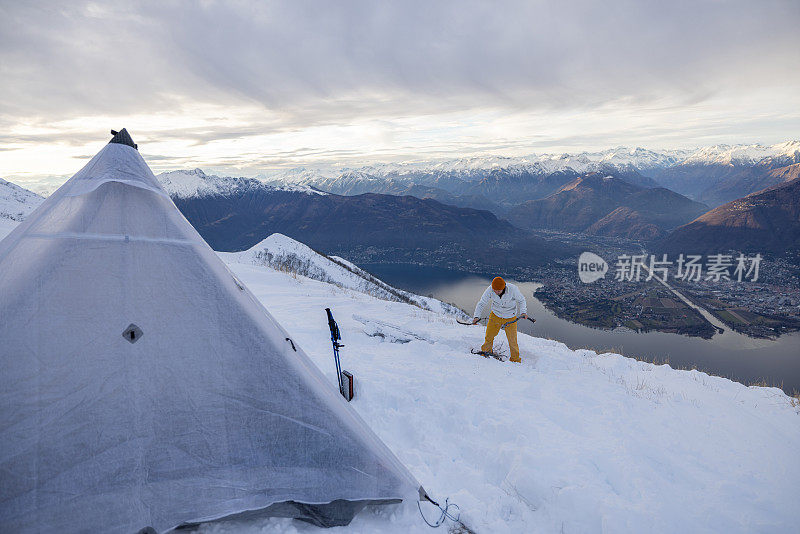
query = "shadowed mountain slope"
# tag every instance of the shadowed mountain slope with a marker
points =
(606, 205)
(768, 221)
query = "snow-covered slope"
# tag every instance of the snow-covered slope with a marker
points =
(196, 183)
(285, 254)
(566, 442)
(16, 202)
(6, 225)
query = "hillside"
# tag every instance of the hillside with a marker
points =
(607, 205)
(240, 220)
(626, 223)
(768, 221)
(16, 202)
(233, 214)
(567, 441)
(284, 254)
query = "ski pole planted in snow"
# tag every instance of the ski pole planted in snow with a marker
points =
(346, 380)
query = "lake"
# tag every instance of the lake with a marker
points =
(728, 354)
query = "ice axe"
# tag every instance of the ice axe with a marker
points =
(502, 326)
(512, 321)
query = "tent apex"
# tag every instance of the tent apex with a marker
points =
(123, 138)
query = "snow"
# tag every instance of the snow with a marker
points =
(641, 158)
(196, 183)
(474, 168)
(470, 169)
(6, 225)
(284, 253)
(16, 202)
(567, 441)
(740, 154)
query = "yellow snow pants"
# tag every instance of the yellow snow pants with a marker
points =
(493, 328)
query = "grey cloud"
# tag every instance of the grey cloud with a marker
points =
(315, 62)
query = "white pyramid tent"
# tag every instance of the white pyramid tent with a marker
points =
(142, 385)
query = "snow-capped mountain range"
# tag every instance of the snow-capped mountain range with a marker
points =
(196, 183)
(638, 158)
(340, 179)
(713, 175)
(741, 154)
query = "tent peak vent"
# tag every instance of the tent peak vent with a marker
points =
(123, 138)
(132, 333)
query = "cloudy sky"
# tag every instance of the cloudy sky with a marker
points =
(245, 87)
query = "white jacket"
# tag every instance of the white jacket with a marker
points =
(510, 304)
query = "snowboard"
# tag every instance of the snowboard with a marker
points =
(486, 354)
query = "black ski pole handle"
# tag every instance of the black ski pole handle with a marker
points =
(335, 334)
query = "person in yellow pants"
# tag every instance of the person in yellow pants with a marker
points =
(505, 302)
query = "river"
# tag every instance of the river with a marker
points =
(729, 354)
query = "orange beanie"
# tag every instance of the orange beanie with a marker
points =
(498, 284)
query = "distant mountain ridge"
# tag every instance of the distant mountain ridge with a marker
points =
(234, 214)
(495, 188)
(713, 175)
(719, 177)
(195, 183)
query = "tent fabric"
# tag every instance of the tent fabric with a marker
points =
(209, 413)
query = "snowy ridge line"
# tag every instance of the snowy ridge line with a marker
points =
(16, 202)
(403, 296)
(620, 158)
(283, 253)
(194, 183)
